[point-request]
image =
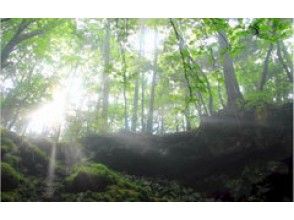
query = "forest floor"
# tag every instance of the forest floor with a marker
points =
(240, 156)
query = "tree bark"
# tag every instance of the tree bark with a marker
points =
(187, 120)
(231, 83)
(265, 72)
(181, 48)
(214, 66)
(149, 128)
(135, 106)
(105, 91)
(125, 89)
(288, 58)
(288, 69)
(142, 82)
(124, 69)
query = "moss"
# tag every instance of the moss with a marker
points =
(95, 182)
(11, 196)
(93, 177)
(11, 159)
(7, 146)
(10, 178)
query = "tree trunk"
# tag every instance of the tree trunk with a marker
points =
(231, 83)
(142, 81)
(265, 72)
(135, 106)
(152, 95)
(288, 69)
(136, 92)
(181, 48)
(288, 59)
(105, 92)
(124, 90)
(124, 71)
(214, 66)
(187, 119)
(162, 130)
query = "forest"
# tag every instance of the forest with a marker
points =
(146, 109)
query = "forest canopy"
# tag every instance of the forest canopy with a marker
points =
(67, 78)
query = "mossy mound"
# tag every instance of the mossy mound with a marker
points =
(92, 177)
(10, 178)
(23, 155)
(95, 182)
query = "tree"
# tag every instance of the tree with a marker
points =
(231, 83)
(105, 77)
(287, 67)
(265, 72)
(149, 128)
(122, 39)
(20, 31)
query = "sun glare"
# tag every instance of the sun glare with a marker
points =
(69, 96)
(49, 115)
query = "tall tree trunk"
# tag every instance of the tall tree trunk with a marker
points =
(181, 49)
(288, 68)
(121, 43)
(135, 106)
(105, 92)
(152, 95)
(231, 83)
(142, 32)
(162, 129)
(214, 66)
(142, 101)
(136, 91)
(125, 89)
(288, 57)
(210, 102)
(122, 39)
(188, 62)
(199, 96)
(177, 123)
(265, 72)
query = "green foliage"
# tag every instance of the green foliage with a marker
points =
(10, 178)
(257, 99)
(67, 49)
(7, 145)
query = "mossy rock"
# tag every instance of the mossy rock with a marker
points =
(10, 178)
(93, 177)
(95, 182)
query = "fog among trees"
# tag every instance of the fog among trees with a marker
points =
(151, 98)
